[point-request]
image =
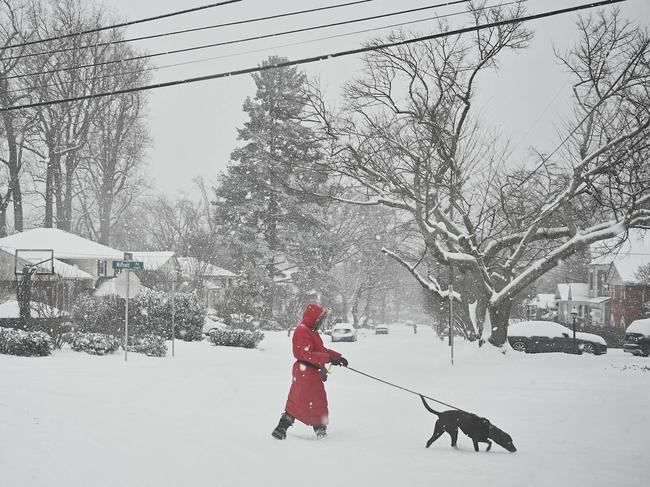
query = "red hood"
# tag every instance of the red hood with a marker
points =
(311, 314)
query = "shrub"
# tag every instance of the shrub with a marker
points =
(150, 345)
(25, 343)
(92, 343)
(235, 338)
(149, 314)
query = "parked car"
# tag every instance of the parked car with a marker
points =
(547, 336)
(637, 338)
(344, 332)
(381, 330)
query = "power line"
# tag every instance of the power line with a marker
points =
(322, 57)
(265, 49)
(238, 41)
(123, 24)
(186, 31)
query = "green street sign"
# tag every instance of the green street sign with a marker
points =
(128, 264)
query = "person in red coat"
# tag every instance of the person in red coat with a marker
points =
(307, 401)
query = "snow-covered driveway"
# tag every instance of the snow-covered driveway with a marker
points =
(204, 418)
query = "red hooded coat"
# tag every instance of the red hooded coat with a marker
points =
(307, 400)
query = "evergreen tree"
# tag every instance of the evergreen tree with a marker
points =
(264, 227)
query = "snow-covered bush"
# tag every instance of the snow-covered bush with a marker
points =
(25, 343)
(149, 314)
(236, 338)
(103, 314)
(150, 345)
(92, 343)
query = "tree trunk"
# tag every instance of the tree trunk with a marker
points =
(499, 323)
(14, 170)
(3, 221)
(52, 163)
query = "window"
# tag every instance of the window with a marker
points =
(101, 267)
(591, 280)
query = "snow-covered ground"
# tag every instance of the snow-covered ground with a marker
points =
(204, 418)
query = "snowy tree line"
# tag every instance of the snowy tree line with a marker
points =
(406, 142)
(398, 188)
(75, 165)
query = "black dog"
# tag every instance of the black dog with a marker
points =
(480, 430)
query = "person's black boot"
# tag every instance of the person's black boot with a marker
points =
(321, 431)
(280, 431)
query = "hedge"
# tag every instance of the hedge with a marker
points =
(92, 343)
(150, 345)
(235, 338)
(149, 314)
(25, 343)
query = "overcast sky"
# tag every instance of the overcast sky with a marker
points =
(194, 127)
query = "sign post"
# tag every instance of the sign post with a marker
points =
(127, 286)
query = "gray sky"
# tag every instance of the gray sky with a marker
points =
(194, 127)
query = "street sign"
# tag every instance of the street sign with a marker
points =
(127, 284)
(128, 264)
(128, 256)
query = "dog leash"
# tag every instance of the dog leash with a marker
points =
(403, 388)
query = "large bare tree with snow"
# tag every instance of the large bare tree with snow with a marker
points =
(407, 137)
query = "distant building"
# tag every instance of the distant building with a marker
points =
(612, 274)
(542, 307)
(78, 264)
(613, 295)
(211, 280)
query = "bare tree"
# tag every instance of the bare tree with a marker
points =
(14, 126)
(407, 139)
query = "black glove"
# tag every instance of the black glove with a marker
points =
(323, 373)
(338, 361)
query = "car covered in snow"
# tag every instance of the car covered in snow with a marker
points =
(344, 332)
(547, 336)
(637, 338)
(381, 329)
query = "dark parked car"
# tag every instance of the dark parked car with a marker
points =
(547, 336)
(637, 338)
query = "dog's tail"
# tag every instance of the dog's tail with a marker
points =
(428, 408)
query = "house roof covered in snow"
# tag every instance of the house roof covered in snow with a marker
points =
(625, 257)
(153, 261)
(64, 244)
(191, 266)
(573, 291)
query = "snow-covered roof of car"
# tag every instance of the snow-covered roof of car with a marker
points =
(639, 326)
(548, 329)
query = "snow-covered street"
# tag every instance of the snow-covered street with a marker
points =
(205, 416)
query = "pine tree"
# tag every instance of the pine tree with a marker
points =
(262, 224)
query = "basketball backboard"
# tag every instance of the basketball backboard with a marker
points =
(40, 260)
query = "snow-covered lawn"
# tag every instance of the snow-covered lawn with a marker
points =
(204, 418)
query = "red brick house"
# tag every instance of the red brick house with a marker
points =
(614, 274)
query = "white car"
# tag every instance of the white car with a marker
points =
(344, 332)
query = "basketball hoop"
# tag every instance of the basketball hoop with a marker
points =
(38, 261)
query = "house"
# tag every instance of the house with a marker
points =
(78, 264)
(613, 275)
(211, 280)
(613, 295)
(573, 296)
(542, 307)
